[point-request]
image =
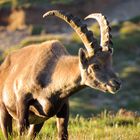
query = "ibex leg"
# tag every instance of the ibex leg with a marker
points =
(23, 112)
(62, 122)
(34, 130)
(5, 121)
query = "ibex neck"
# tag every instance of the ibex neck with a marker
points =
(67, 75)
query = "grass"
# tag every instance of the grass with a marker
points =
(126, 61)
(106, 126)
(88, 103)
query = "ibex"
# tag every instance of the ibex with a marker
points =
(36, 81)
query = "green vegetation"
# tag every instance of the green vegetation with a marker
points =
(126, 61)
(105, 126)
(28, 3)
(88, 103)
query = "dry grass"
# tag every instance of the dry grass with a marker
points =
(105, 126)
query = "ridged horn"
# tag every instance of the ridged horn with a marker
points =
(105, 29)
(81, 29)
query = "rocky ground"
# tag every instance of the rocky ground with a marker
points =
(115, 10)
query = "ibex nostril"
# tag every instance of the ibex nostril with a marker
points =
(115, 83)
(118, 82)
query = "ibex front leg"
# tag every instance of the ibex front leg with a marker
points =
(23, 112)
(34, 130)
(62, 122)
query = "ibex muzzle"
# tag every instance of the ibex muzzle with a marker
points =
(36, 81)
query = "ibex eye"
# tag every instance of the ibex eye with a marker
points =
(96, 67)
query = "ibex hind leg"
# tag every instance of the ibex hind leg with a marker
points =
(5, 121)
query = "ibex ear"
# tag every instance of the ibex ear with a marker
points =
(83, 58)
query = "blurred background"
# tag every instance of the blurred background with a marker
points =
(21, 24)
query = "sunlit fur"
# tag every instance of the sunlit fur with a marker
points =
(99, 74)
(43, 76)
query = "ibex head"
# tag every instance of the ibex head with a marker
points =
(96, 61)
(96, 67)
(97, 71)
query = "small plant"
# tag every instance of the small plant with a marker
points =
(129, 27)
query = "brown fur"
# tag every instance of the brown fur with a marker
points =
(36, 81)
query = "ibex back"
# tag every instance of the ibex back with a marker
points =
(36, 81)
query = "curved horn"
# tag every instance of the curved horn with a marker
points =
(81, 29)
(105, 29)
